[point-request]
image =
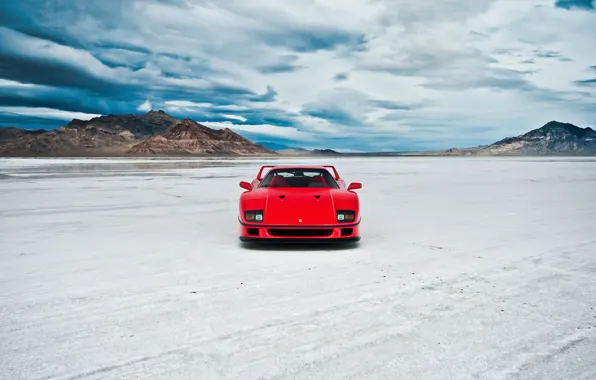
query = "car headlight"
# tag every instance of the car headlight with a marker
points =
(344, 216)
(254, 216)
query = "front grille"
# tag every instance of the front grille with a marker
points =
(300, 232)
(253, 231)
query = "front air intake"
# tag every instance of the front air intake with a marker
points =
(288, 232)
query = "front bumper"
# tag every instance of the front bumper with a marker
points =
(253, 232)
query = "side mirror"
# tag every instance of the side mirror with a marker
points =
(245, 185)
(354, 186)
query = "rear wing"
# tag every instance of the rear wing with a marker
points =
(335, 173)
(259, 176)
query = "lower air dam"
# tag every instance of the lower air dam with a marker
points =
(468, 268)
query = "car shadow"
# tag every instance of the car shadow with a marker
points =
(274, 246)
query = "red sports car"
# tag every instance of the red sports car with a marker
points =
(299, 203)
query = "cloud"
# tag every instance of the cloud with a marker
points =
(9, 119)
(279, 68)
(290, 133)
(269, 96)
(145, 106)
(282, 64)
(235, 117)
(339, 77)
(390, 105)
(359, 75)
(311, 40)
(586, 82)
(21, 58)
(48, 113)
(575, 4)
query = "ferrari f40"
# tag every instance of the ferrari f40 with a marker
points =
(297, 204)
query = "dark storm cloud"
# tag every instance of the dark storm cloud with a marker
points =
(257, 116)
(107, 13)
(575, 4)
(115, 58)
(311, 39)
(332, 114)
(57, 74)
(283, 64)
(8, 119)
(63, 99)
(389, 105)
(279, 68)
(23, 16)
(551, 54)
(50, 20)
(586, 82)
(548, 54)
(33, 67)
(268, 96)
(590, 82)
(340, 77)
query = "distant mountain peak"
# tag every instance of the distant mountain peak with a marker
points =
(187, 129)
(559, 129)
(557, 124)
(187, 137)
(326, 152)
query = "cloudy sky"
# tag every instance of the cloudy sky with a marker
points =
(355, 75)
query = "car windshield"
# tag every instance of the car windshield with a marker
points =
(313, 178)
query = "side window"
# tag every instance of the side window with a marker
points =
(329, 179)
(267, 179)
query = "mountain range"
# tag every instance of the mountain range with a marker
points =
(156, 133)
(153, 133)
(552, 139)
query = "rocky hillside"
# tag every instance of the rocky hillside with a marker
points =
(12, 134)
(120, 135)
(143, 125)
(188, 137)
(554, 138)
(14, 138)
